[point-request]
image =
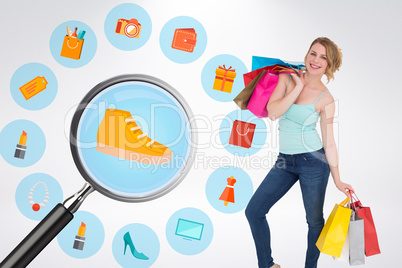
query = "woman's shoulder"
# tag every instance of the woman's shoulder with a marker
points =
(325, 100)
(324, 91)
(327, 96)
(284, 76)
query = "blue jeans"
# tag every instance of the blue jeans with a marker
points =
(312, 171)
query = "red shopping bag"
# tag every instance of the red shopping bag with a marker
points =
(371, 245)
(262, 92)
(242, 134)
(248, 77)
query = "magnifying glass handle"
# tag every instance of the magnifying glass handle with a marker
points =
(38, 238)
(43, 233)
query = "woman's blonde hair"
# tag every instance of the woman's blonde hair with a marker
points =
(334, 56)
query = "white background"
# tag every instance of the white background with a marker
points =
(367, 90)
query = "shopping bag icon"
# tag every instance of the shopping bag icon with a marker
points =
(72, 48)
(184, 39)
(242, 134)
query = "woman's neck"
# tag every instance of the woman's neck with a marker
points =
(312, 80)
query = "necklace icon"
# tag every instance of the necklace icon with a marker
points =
(36, 206)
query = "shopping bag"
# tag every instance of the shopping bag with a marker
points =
(244, 96)
(242, 134)
(262, 92)
(370, 234)
(72, 48)
(345, 251)
(371, 245)
(259, 62)
(248, 77)
(356, 240)
(333, 235)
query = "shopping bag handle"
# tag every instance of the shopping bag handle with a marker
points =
(345, 202)
(75, 45)
(284, 69)
(354, 199)
(238, 132)
(290, 66)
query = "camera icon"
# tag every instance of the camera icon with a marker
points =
(130, 28)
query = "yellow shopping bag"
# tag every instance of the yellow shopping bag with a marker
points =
(333, 235)
(72, 48)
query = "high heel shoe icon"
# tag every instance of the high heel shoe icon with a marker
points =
(129, 242)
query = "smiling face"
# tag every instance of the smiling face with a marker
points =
(323, 57)
(316, 60)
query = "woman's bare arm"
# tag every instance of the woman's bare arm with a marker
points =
(278, 104)
(327, 118)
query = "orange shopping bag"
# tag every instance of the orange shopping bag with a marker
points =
(72, 48)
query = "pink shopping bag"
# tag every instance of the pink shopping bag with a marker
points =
(262, 92)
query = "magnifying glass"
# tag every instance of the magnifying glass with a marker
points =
(131, 139)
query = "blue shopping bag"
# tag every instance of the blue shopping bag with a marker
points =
(260, 62)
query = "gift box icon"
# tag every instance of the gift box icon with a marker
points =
(224, 79)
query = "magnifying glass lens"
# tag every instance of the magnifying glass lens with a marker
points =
(133, 140)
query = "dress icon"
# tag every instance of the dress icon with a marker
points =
(228, 194)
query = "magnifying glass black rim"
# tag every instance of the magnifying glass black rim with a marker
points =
(88, 98)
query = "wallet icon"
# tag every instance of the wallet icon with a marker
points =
(184, 39)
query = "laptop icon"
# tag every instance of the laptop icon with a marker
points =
(189, 229)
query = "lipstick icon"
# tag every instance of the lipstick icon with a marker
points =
(80, 237)
(21, 148)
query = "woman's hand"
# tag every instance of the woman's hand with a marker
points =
(344, 187)
(299, 79)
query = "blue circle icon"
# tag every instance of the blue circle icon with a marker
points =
(222, 77)
(83, 236)
(242, 133)
(136, 245)
(189, 231)
(37, 194)
(183, 39)
(33, 86)
(22, 143)
(70, 51)
(229, 189)
(128, 27)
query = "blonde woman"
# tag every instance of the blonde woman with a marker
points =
(299, 100)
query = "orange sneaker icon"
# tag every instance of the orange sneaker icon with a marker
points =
(120, 136)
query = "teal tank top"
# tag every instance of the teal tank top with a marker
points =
(297, 129)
